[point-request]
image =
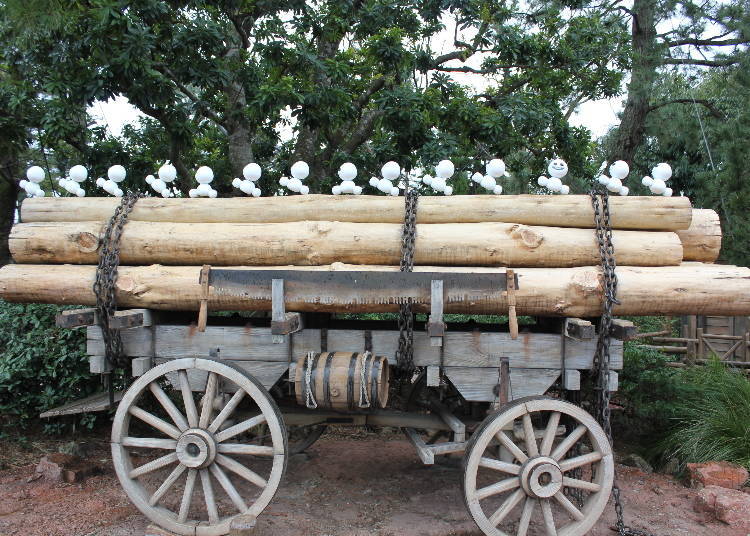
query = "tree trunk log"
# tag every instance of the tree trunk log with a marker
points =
(647, 213)
(321, 242)
(691, 288)
(702, 241)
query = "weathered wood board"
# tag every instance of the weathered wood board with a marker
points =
(266, 372)
(478, 384)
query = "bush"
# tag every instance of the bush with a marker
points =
(713, 421)
(41, 366)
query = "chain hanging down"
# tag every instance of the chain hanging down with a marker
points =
(600, 203)
(106, 279)
(405, 354)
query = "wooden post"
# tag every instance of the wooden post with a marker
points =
(701, 343)
(436, 326)
(278, 311)
(203, 310)
(510, 283)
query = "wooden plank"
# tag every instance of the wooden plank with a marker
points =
(572, 380)
(424, 453)
(478, 384)
(98, 364)
(76, 318)
(266, 372)
(577, 328)
(278, 311)
(435, 325)
(96, 402)
(132, 318)
(623, 329)
(433, 376)
(141, 365)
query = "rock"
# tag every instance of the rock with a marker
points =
(723, 474)
(634, 460)
(671, 467)
(59, 467)
(75, 448)
(726, 505)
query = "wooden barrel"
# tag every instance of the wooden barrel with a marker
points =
(342, 380)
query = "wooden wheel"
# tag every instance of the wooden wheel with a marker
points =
(189, 446)
(506, 497)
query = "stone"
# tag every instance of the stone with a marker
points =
(729, 506)
(59, 467)
(671, 467)
(723, 474)
(75, 448)
(634, 460)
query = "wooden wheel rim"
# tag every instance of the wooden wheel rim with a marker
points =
(474, 458)
(140, 496)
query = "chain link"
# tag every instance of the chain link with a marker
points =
(106, 279)
(600, 203)
(405, 354)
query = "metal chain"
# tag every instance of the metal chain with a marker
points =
(600, 203)
(405, 354)
(106, 279)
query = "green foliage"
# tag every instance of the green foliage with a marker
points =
(41, 366)
(713, 420)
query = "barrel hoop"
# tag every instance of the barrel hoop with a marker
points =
(374, 371)
(326, 381)
(350, 381)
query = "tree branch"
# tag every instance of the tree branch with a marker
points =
(208, 112)
(703, 102)
(712, 42)
(703, 63)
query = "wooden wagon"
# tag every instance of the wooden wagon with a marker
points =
(201, 438)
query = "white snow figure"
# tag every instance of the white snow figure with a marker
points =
(347, 174)
(660, 174)
(300, 170)
(618, 171)
(390, 171)
(72, 184)
(495, 169)
(115, 175)
(204, 175)
(443, 171)
(557, 169)
(167, 173)
(34, 175)
(250, 174)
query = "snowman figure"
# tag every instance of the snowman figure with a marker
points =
(115, 175)
(657, 183)
(443, 171)
(251, 173)
(34, 175)
(390, 172)
(300, 170)
(557, 170)
(347, 172)
(72, 184)
(618, 171)
(204, 175)
(167, 173)
(495, 169)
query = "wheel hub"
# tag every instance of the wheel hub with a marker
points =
(541, 477)
(196, 448)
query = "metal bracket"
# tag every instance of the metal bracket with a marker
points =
(435, 325)
(282, 323)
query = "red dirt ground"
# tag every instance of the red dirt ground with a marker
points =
(351, 486)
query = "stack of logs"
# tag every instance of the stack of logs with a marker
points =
(665, 250)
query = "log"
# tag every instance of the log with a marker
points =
(322, 242)
(702, 240)
(691, 288)
(646, 213)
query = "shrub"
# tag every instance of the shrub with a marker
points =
(41, 366)
(713, 421)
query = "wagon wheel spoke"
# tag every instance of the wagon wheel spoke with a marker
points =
(227, 411)
(549, 434)
(225, 483)
(549, 521)
(237, 429)
(505, 508)
(249, 450)
(566, 444)
(208, 495)
(581, 484)
(502, 486)
(509, 444)
(187, 399)
(239, 469)
(187, 495)
(528, 510)
(152, 466)
(580, 461)
(569, 506)
(168, 483)
(161, 425)
(529, 438)
(208, 400)
(177, 417)
(149, 443)
(503, 467)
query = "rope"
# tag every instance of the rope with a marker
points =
(364, 400)
(310, 401)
